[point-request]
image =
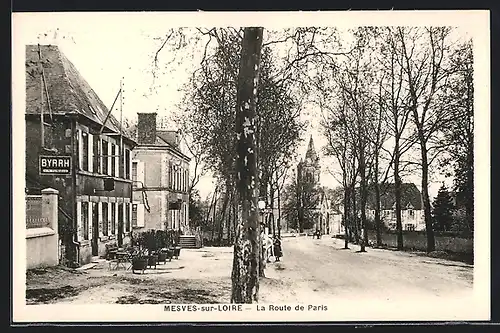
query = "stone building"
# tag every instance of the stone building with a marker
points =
(160, 172)
(75, 146)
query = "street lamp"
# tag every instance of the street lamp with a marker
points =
(262, 206)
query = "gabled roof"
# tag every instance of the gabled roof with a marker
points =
(68, 91)
(411, 197)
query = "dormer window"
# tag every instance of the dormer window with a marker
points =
(92, 110)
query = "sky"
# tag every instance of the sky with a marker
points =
(108, 48)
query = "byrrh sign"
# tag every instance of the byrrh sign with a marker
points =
(55, 165)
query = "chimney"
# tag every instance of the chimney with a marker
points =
(146, 128)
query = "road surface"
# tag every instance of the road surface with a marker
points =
(321, 271)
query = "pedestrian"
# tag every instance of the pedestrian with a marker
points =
(269, 248)
(278, 251)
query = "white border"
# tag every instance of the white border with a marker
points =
(475, 21)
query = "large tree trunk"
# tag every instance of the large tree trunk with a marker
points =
(354, 216)
(431, 246)
(223, 221)
(377, 205)
(271, 199)
(245, 279)
(363, 195)
(346, 214)
(279, 211)
(469, 191)
(397, 197)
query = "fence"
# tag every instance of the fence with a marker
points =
(42, 238)
(418, 241)
(34, 215)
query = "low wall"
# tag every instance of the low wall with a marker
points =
(41, 248)
(42, 239)
(418, 241)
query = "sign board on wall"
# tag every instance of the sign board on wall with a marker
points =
(54, 165)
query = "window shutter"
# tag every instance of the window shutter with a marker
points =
(140, 174)
(80, 149)
(90, 219)
(109, 218)
(140, 215)
(109, 158)
(78, 220)
(117, 161)
(91, 153)
(100, 218)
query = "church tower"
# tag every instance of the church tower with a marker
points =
(309, 168)
(308, 173)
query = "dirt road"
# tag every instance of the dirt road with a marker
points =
(311, 271)
(322, 270)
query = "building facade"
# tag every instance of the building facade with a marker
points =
(412, 213)
(74, 145)
(160, 173)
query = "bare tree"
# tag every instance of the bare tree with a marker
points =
(424, 51)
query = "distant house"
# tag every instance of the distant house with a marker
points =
(330, 217)
(160, 174)
(412, 214)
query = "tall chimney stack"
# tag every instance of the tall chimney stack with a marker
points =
(146, 128)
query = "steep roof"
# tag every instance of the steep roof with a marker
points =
(169, 137)
(68, 91)
(410, 197)
(311, 152)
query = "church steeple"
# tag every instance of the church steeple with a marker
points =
(311, 155)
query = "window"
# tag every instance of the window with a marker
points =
(170, 179)
(85, 220)
(134, 171)
(113, 218)
(105, 227)
(410, 227)
(127, 163)
(127, 217)
(96, 165)
(85, 151)
(411, 213)
(134, 215)
(113, 160)
(120, 218)
(121, 162)
(104, 158)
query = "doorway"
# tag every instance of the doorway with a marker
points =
(95, 230)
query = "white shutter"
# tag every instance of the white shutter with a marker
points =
(116, 219)
(91, 153)
(78, 220)
(90, 220)
(130, 164)
(117, 161)
(109, 218)
(100, 218)
(130, 216)
(80, 149)
(140, 174)
(124, 218)
(140, 215)
(108, 158)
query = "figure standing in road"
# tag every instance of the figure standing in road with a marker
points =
(278, 252)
